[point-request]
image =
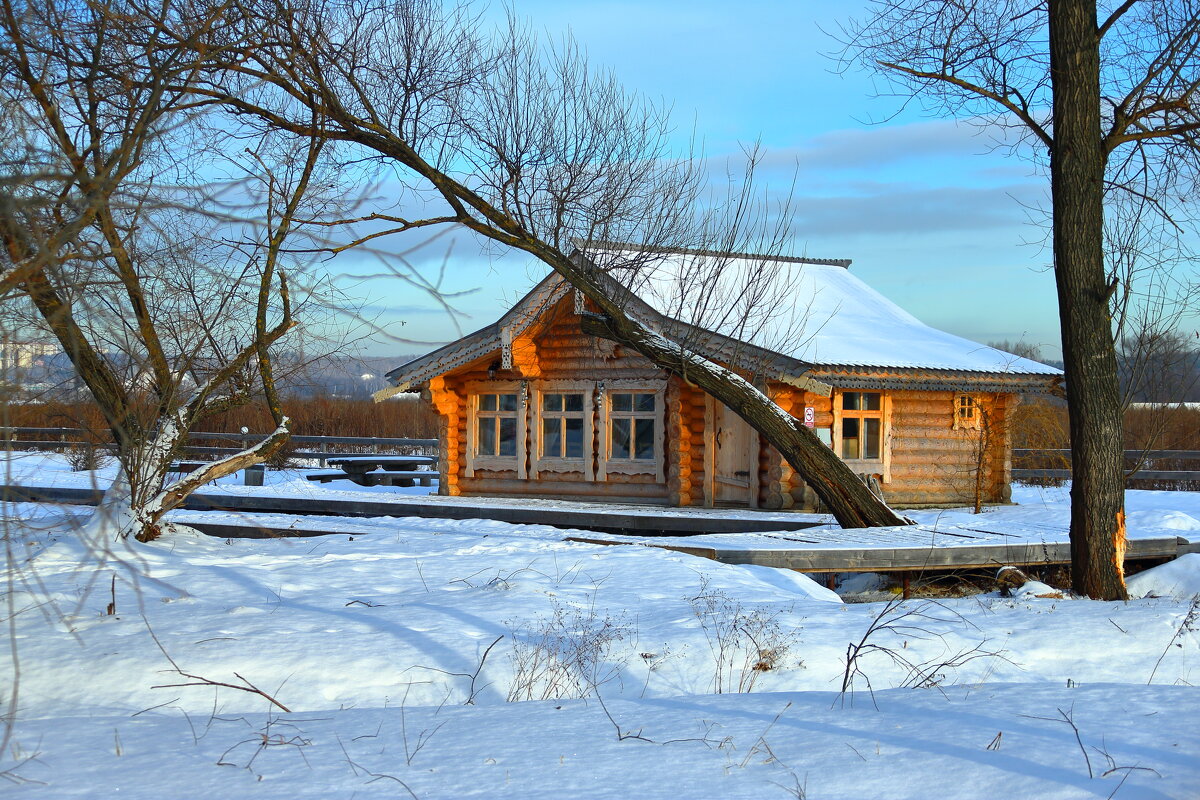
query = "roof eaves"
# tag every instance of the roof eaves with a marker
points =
(444, 359)
(940, 380)
(599, 244)
(473, 345)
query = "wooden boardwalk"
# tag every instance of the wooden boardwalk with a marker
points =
(774, 539)
(603, 517)
(910, 548)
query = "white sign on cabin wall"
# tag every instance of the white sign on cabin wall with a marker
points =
(810, 417)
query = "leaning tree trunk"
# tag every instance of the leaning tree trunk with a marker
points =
(1089, 353)
(848, 498)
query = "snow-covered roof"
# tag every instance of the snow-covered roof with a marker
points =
(814, 311)
(807, 317)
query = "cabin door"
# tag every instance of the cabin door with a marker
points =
(735, 446)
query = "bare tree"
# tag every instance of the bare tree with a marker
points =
(1113, 103)
(167, 299)
(528, 147)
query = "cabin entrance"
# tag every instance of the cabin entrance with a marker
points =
(733, 455)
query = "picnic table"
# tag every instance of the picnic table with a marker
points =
(381, 470)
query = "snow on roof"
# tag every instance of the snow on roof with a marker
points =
(811, 310)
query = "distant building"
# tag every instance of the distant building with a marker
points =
(531, 406)
(16, 355)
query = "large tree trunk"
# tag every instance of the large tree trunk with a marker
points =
(848, 498)
(1077, 176)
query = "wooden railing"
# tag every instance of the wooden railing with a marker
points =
(1145, 469)
(319, 447)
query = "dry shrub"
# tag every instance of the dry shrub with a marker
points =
(1040, 423)
(406, 416)
(56, 414)
(745, 642)
(1166, 428)
(564, 655)
(86, 457)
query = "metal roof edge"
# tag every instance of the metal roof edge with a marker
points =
(933, 380)
(600, 244)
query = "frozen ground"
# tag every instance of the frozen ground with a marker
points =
(448, 659)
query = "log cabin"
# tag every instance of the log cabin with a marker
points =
(532, 406)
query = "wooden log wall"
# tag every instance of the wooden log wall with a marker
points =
(935, 464)
(780, 486)
(452, 439)
(932, 463)
(685, 443)
(564, 352)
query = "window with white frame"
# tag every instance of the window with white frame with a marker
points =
(563, 424)
(633, 422)
(967, 412)
(861, 434)
(632, 429)
(564, 427)
(496, 430)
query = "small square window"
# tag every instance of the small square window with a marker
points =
(967, 412)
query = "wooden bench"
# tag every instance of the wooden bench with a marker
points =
(357, 465)
(326, 477)
(380, 478)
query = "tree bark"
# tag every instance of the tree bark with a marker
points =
(1077, 185)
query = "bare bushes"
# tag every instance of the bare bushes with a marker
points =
(570, 654)
(566, 654)
(745, 643)
(404, 416)
(888, 636)
(86, 457)
(323, 415)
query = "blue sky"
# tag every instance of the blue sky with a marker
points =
(930, 216)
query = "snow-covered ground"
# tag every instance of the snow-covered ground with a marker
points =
(448, 659)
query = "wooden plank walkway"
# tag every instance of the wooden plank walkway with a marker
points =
(607, 518)
(733, 537)
(912, 548)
